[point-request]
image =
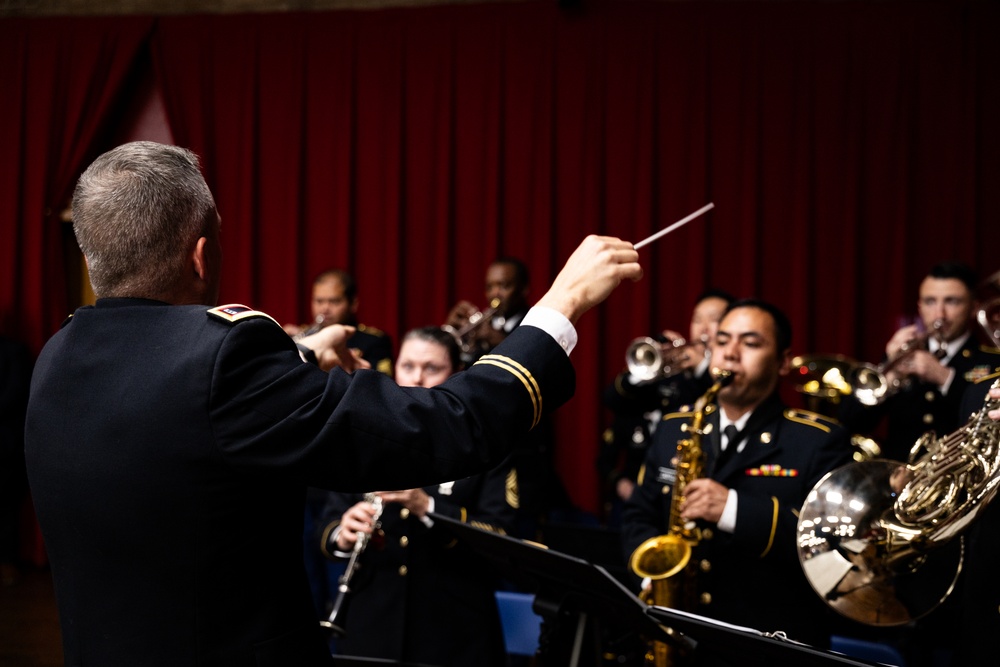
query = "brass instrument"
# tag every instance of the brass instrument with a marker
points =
(335, 622)
(664, 557)
(989, 319)
(876, 539)
(648, 360)
(871, 384)
(465, 335)
(319, 323)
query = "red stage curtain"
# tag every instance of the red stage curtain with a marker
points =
(847, 147)
(60, 78)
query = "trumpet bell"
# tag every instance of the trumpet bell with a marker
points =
(861, 559)
(869, 384)
(644, 359)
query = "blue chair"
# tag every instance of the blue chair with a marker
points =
(521, 625)
(867, 650)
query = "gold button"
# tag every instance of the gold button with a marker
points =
(706, 598)
(765, 437)
(928, 418)
(705, 566)
(402, 570)
(929, 396)
(706, 534)
(665, 490)
(404, 513)
(403, 541)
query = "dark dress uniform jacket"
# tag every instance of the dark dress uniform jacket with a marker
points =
(420, 596)
(750, 577)
(169, 449)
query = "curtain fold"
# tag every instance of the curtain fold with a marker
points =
(61, 79)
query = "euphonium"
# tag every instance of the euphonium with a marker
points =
(335, 622)
(871, 384)
(875, 538)
(664, 557)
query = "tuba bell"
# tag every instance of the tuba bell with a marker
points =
(881, 542)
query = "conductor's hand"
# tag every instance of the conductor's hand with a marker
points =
(358, 519)
(415, 500)
(330, 346)
(704, 499)
(594, 269)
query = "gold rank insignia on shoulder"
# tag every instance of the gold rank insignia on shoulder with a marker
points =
(809, 419)
(980, 373)
(364, 328)
(237, 312)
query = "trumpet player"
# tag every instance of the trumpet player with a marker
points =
(637, 405)
(932, 377)
(418, 596)
(506, 285)
(761, 460)
(334, 300)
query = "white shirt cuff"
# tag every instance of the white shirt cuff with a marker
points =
(554, 324)
(426, 519)
(727, 522)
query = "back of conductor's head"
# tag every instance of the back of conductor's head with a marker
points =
(138, 213)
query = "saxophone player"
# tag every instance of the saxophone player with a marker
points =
(761, 459)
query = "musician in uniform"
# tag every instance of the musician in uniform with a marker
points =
(418, 596)
(506, 284)
(169, 442)
(638, 405)
(335, 301)
(933, 379)
(755, 479)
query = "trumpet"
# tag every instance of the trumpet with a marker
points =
(989, 319)
(315, 327)
(871, 384)
(465, 335)
(647, 359)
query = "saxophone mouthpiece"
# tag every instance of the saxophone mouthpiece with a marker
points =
(722, 376)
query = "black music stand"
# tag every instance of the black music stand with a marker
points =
(724, 644)
(579, 602)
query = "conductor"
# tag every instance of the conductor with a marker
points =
(169, 442)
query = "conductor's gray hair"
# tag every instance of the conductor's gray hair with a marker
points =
(137, 212)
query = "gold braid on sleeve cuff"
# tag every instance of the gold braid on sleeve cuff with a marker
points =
(522, 374)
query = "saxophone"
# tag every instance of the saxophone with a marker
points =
(664, 558)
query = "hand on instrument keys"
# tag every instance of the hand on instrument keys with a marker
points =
(590, 274)
(704, 499)
(415, 500)
(330, 346)
(360, 518)
(995, 414)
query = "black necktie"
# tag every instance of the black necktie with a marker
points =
(732, 435)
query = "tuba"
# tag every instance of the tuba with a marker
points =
(664, 558)
(876, 538)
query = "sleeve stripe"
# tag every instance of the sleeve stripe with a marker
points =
(774, 527)
(522, 374)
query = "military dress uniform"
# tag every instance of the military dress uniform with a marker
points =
(979, 592)
(419, 596)
(921, 407)
(750, 577)
(375, 346)
(169, 449)
(625, 441)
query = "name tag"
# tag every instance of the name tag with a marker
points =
(665, 475)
